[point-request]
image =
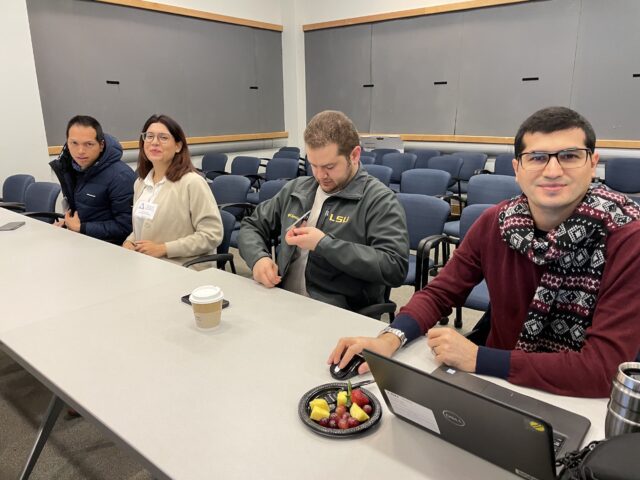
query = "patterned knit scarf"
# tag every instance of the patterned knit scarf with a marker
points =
(574, 252)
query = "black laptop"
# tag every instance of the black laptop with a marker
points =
(514, 431)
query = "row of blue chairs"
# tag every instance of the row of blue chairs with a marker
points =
(21, 193)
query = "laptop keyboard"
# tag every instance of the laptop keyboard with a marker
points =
(558, 441)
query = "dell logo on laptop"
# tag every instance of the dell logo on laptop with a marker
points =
(453, 418)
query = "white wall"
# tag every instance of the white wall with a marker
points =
(23, 146)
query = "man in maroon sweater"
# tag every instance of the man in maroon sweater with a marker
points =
(562, 265)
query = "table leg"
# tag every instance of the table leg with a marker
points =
(45, 429)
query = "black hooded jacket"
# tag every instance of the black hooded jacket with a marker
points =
(102, 194)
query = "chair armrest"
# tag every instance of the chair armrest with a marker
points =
(218, 257)
(247, 206)
(53, 215)
(14, 206)
(377, 310)
(214, 173)
(423, 252)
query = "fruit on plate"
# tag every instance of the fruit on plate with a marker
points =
(342, 398)
(358, 396)
(357, 413)
(318, 413)
(319, 402)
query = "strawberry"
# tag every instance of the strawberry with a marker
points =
(358, 397)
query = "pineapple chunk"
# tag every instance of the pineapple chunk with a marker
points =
(342, 398)
(318, 413)
(319, 402)
(357, 413)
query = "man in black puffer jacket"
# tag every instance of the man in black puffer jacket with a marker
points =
(96, 184)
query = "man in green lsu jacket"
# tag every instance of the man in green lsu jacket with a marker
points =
(354, 242)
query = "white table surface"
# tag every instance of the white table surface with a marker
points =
(46, 271)
(223, 404)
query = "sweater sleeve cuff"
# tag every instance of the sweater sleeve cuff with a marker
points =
(494, 362)
(408, 325)
(83, 228)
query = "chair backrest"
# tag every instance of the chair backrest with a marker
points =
(425, 216)
(231, 189)
(491, 189)
(381, 172)
(399, 162)
(270, 188)
(41, 197)
(423, 155)
(214, 161)
(15, 187)
(503, 165)
(381, 152)
(286, 154)
(448, 163)
(243, 165)
(425, 181)
(367, 159)
(469, 215)
(623, 174)
(290, 149)
(281, 167)
(228, 223)
(471, 161)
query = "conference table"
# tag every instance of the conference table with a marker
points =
(194, 404)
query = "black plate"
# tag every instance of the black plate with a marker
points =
(328, 391)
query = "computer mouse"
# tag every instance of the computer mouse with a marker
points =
(351, 369)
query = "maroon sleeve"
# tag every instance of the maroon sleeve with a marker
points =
(613, 338)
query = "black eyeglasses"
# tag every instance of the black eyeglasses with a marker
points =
(568, 158)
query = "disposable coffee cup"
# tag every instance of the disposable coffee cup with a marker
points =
(207, 306)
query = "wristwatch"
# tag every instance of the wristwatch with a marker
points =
(397, 332)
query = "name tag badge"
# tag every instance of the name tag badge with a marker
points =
(146, 210)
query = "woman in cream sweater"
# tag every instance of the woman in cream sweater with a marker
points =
(174, 213)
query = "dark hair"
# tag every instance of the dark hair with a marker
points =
(553, 119)
(181, 163)
(86, 121)
(330, 127)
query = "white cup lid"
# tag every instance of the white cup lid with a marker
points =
(206, 294)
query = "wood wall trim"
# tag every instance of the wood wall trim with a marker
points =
(240, 137)
(189, 12)
(410, 137)
(416, 12)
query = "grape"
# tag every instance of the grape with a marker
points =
(332, 424)
(324, 422)
(352, 422)
(341, 410)
(367, 409)
(343, 424)
(334, 416)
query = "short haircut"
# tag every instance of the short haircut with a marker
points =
(86, 121)
(553, 119)
(181, 163)
(330, 127)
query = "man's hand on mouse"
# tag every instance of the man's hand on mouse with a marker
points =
(386, 344)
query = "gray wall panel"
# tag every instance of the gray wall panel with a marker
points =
(197, 71)
(608, 55)
(502, 45)
(338, 64)
(270, 96)
(408, 56)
